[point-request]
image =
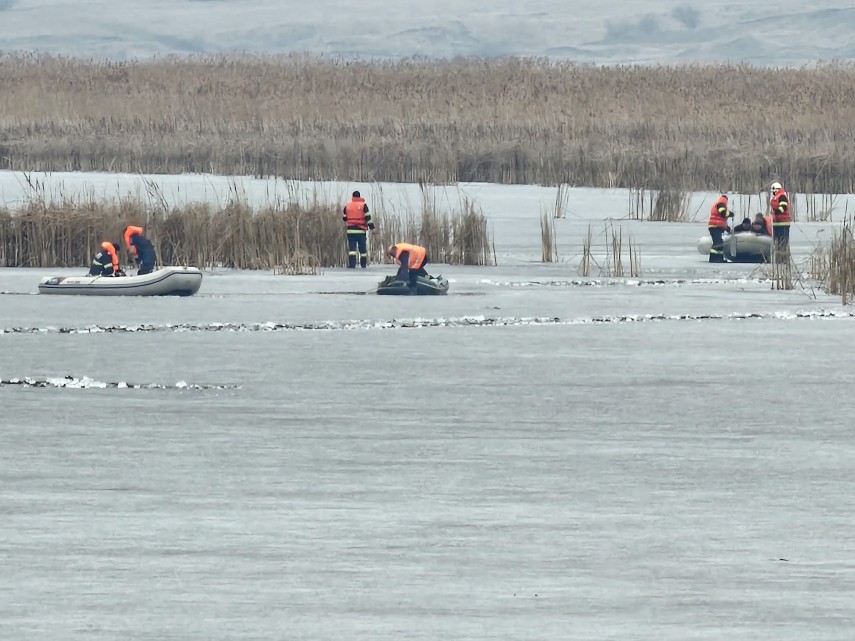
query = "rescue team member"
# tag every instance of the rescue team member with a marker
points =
(358, 222)
(745, 225)
(781, 219)
(412, 259)
(141, 248)
(761, 225)
(106, 261)
(717, 226)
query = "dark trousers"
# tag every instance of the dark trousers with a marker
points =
(100, 270)
(414, 274)
(411, 275)
(781, 238)
(717, 248)
(357, 246)
(146, 261)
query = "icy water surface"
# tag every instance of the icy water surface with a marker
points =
(534, 456)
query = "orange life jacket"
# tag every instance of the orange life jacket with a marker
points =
(719, 214)
(114, 257)
(354, 213)
(129, 232)
(417, 254)
(780, 205)
(762, 226)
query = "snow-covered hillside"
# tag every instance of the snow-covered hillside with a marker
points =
(785, 33)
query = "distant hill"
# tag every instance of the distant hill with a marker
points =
(784, 33)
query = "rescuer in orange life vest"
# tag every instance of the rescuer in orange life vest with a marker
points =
(781, 219)
(141, 248)
(358, 222)
(760, 225)
(106, 261)
(719, 213)
(412, 259)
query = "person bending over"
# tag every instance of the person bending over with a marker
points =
(141, 248)
(412, 259)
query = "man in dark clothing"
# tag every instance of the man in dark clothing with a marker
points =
(412, 259)
(106, 261)
(358, 222)
(141, 248)
(745, 225)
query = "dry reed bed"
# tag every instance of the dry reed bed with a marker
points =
(506, 121)
(833, 264)
(289, 238)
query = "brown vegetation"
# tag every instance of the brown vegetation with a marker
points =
(535, 121)
(671, 205)
(288, 238)
(548, 244)
(458, 237)
(613, 264)
(782, 267)
(834, 264)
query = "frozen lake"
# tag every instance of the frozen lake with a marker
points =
(534, 456)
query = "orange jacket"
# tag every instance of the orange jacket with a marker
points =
(114, 257)
(764, 227)
(719, 214)
(780, 206)
(355, 215)
(129, 232)
(417, 254)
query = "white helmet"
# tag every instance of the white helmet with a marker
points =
(775, 187)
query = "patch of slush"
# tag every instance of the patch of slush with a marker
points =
(624, 282)
(462, 321)
(85, 382)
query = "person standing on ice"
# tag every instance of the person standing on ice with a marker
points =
(717, 226)
(141, 248)
(412, 259)
(779, 204)
(106, 261)
(358, 222)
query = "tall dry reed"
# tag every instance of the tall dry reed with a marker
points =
(783, 268)
(506, 121)
(834, 265)
(671, 205)
(286, 237)
(587, 254)
(548, 245)
(639, 201)
(613, 260)
(457, 235)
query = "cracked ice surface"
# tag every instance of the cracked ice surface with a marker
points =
(529, 457)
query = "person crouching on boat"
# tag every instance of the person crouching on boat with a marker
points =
(719, 213)
(745, 225)
(760, 225)
(412, 259)
(106, 261)
(141, 248)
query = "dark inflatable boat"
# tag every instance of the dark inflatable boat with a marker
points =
(425, 286)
